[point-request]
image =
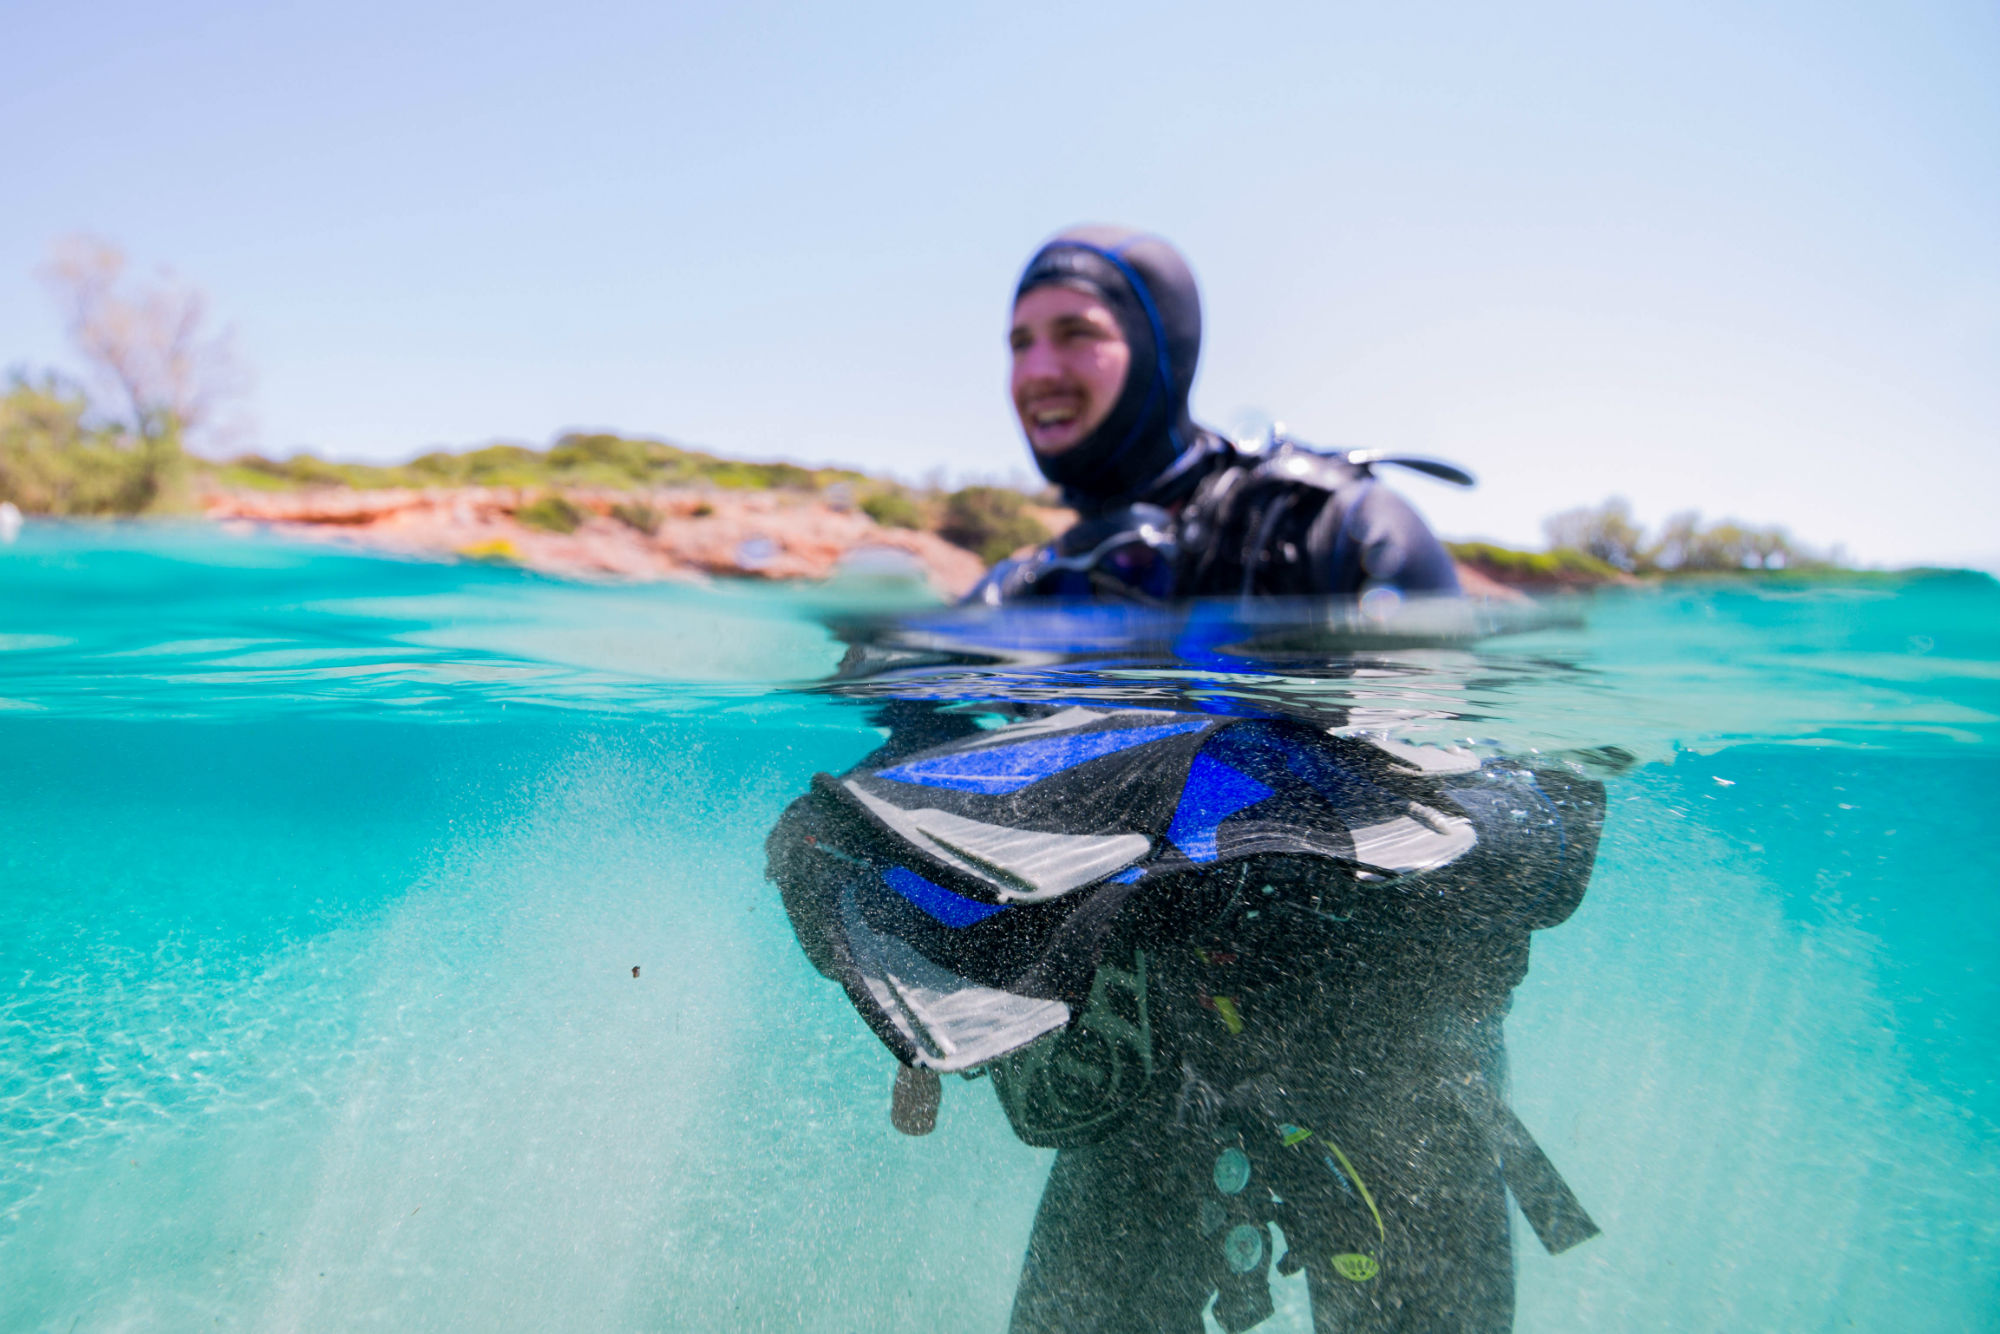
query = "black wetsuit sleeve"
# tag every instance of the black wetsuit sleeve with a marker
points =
(799, 860)
(801, 852)
(1005, 582)
(1376, 539)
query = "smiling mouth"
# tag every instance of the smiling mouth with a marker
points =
(1052, 416)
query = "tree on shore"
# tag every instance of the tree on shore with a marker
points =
(1684, 545)
(54, 460)
(149, 345)
(159, 376)
(1606, 532)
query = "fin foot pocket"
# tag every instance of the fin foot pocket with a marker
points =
(913, 1106)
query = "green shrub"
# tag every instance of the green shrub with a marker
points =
(552, 513)
(1684, 545)
(736, 476)
(1564, 565)
(51, 462)
(437, 468)
(991, 521)
(502, 465)
(614, 461)
(307, 470)
(1606, 532)
(893, 507)
(1687, 546)
(579, 459)
(637, 515)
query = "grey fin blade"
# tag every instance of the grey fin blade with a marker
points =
(1546, 1200)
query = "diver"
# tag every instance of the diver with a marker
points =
(1246, 977)
(1105, 336)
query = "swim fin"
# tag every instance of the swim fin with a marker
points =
(913, 1106)
(1546, 1200)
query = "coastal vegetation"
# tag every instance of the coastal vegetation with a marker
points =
(157, 376)
(990, 522)
(1561, 568)
(1603, 544)
(59, 457)
(597, 459)
(1607, 535)
(54, 459)
(552, 513)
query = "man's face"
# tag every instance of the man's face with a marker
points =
(1070, 361)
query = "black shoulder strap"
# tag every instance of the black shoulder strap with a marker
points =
(1251, 528)
(1546, 1200)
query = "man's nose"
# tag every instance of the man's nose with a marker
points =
(1036, 361)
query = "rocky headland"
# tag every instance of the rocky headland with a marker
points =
(668, 533)
(673, 533)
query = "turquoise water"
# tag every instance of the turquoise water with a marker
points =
(324, 877)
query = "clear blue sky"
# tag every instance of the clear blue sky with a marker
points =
(1743, 258)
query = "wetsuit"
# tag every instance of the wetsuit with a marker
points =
(1289, 521)
(1367, 1046)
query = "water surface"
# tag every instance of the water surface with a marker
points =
(322, 878)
